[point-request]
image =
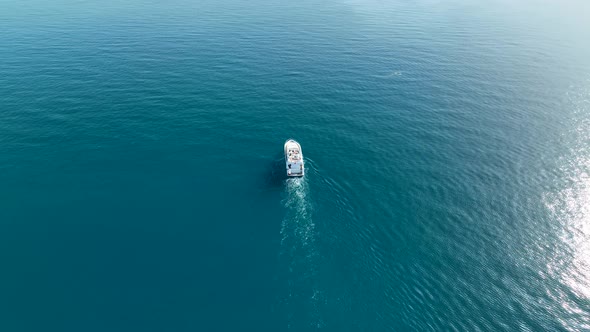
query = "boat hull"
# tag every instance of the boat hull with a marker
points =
(294, 163)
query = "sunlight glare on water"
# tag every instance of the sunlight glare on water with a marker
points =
(571, 209)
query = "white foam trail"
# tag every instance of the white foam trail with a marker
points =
(299, 257)
(298, 222)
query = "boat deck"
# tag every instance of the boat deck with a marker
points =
(294, 155)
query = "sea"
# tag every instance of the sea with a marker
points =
(143, 184)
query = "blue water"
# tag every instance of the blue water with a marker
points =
(447, 181)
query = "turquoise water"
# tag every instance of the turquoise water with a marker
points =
(447, 186)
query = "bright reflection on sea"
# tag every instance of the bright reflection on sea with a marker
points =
(570, 207)
(577, 236)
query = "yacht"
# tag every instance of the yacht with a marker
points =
(293, 158)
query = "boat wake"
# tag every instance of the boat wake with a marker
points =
(297, 226)
(299, 301)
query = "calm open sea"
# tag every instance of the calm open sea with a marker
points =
(142, 184)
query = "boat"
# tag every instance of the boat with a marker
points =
(294, 159)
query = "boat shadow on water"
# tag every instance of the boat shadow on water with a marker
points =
(276, 174)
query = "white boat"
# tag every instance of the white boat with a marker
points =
(294, 158)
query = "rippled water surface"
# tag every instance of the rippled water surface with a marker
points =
(142, 185)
